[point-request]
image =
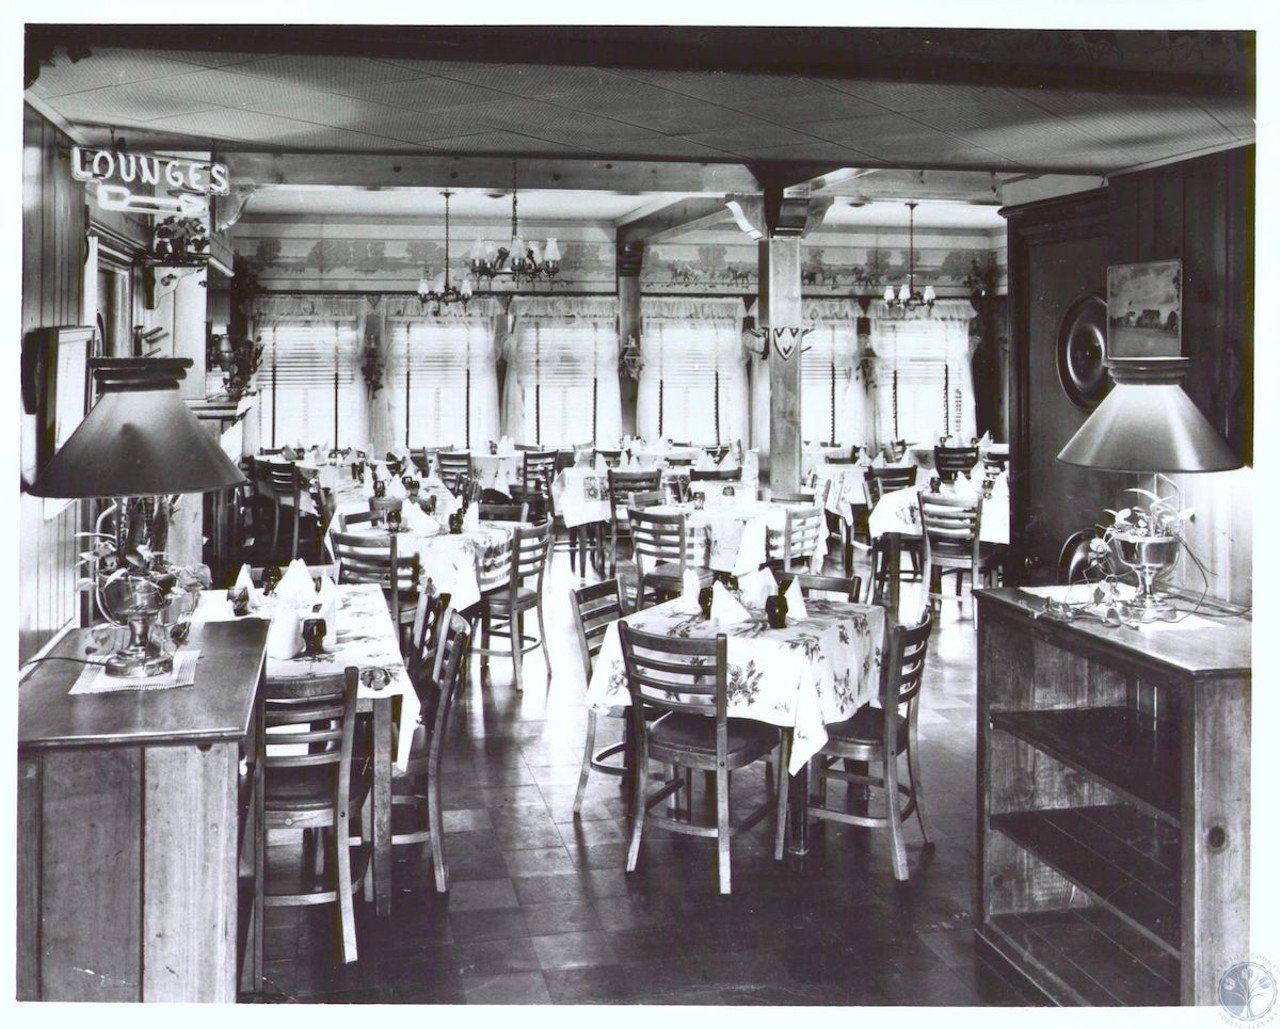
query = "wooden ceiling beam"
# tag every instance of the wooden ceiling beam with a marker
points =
(387, 171)
(685, 215)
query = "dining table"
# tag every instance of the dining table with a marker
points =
(740, 533)
(816, 670)
(365, 638)
(462, 564)
(897, 516)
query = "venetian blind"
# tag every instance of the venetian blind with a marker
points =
(567, 374)
(442, 381)
(310, 383)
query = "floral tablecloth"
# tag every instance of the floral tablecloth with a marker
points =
(817, 670)
(899, 512)
(581, 495)
(365, 638)
(497, 471)
(463, 564)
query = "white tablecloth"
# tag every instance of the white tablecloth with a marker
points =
(741, 534)
(497, 471)
(366, 639)
(581, 495)
(462, 565)
(899, 512)
(814, 455)
(817, 670)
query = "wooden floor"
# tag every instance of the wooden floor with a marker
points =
(540, 910)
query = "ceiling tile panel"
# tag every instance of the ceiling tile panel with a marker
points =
(104, 68)
(129, 105)
(724, 87)
(620, 96)
(427, 94)
(336, 74)
(912, 96)
(498, 143)
(251, 126)
(673, 147)
(523, 79)
(759, 134)
(1234, 114)
(821, 105)
(683, 116)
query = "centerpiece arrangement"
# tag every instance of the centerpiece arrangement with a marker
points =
(138, 588)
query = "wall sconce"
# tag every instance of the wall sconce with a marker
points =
(629, 361)
(785, 341)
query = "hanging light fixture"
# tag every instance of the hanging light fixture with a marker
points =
(441, 291)
(908, 298)
(517, 259)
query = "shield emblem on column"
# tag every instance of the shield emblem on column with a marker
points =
(784, 342)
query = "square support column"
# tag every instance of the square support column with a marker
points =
(779, 312)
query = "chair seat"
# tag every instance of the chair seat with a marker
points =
(866, 728)
(499, 600)
(311, 789)
(989, 555)
(695, 735)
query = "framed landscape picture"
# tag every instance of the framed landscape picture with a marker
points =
(1144, 310)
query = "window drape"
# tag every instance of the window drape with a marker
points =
(562, 371)
(928, 354)
(441, 373)
(693, 384)
(310, 389)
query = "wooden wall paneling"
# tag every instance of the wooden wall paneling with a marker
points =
(28, 880)
(90, 927)
(190, 797)
(1216, 830)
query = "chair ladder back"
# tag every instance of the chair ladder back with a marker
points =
(324, 710)
(850, 588)
(905, 661)
(595, 608)
(949, 525)
(948, 462)
(672, 674)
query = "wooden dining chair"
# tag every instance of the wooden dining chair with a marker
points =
(539, 468)
(848, 587)
(877, 483)
(718, 454)
(664, 550)
(595, 608)
(501, 610)
(715, 474)
(949, 531)
(801, 533)
(611, 457)
(453, 465)
(949, 462)
(793, 497)
(312, 779)
(688, 679)
(495, 512)
(621, 485)
(376, 558)
(875, 737)
(436, 663)
(646, 499)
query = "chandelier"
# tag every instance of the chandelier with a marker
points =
(518, 259)
(908, 298)
(441, 291)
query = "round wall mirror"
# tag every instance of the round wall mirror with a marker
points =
(1082, 344)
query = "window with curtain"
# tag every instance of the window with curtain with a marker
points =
(310, 386)
(693, 384)
(833, 400)
(924, 382)
(562, 372)
(442, 381)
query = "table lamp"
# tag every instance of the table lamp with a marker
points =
(139, 440)
(1147, 424)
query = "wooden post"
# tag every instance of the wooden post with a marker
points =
(630, 256)
(780, 314)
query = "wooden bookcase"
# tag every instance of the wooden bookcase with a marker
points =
(1113, 803)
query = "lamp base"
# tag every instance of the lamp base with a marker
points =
(138, 666)
(1144, 609)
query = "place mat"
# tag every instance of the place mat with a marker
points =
(94, 678)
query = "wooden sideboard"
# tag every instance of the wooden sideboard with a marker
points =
(130, 814)
(1113, 802)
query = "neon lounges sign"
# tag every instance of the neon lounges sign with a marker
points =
(118, 173)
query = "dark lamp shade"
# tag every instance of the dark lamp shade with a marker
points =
(1148, 427)
(137, 444)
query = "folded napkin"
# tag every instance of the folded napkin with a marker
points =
(687, 602)
(877, 461)
(367, 481)
(471, 520)
(757, 587)
(725, 607)
(964, 486)
(287, 453)
(295, 586)
(985, 440)
(795, 601)
(506, 448)
(395, 488)
(245, 581)
(751, 465)
(704, 462)
(417, 521)
(602, 465)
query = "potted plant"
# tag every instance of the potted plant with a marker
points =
(1148, 541)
